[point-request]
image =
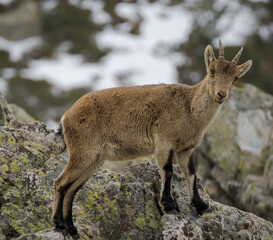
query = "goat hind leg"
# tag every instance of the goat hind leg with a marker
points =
(86, 173)
(61, 185)
(67, 206)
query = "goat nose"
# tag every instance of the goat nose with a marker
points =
(221, 94)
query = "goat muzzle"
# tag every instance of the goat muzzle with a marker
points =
(220, 96)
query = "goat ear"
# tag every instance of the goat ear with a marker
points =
(209, 56)
(244, 68)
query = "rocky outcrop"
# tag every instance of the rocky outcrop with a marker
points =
(236, 155)
(123, 206)
(25, 183)
(110, 206)
(20, 20)
(20, 114)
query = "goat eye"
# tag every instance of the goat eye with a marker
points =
(212, 71)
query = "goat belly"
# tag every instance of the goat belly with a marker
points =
(119, 152)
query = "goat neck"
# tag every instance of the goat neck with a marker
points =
(203, 107)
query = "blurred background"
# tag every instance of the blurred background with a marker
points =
(52, 52)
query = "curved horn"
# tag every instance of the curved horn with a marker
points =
(221, 51)
(236, 58)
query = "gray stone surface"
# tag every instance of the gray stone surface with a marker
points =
(111, 205)
(20, 22)
(235, 157)
(20, 114)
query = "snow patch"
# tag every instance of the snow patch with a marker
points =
(66, 71)
(135, 59)
(17, 49)
(6, 2)
(236, 24)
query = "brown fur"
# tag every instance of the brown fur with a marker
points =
(128, 122)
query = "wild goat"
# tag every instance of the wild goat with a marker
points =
(122, 123)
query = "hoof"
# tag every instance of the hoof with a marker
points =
(202, 208)
(61, 230)
(72, 230)
(207, 210)
(170, 205)
(75, 236)
(59, 224)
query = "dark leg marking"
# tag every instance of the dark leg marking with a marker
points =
(168, 202)
(58, 218)
(72, 230)
(196, 201)
(191, 165)
(168, 168)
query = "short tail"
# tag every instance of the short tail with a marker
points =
(59, 133)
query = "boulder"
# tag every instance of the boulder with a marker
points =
(111, 205)
(20, 20)
(235, 158)
(20, 114)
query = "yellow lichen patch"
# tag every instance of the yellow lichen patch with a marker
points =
(153, 223)
(11, 141)
(12, 193)
(11, 209)
(105, 207)
(43, 197)
(35, 147)
(18, 229)
(22, 158)
(240, 89)
(7, 138)
(211, 216)
(127, 192)
(31, 226)
(14, 167)
(150, 216)
(100, 217)
(140, 221)
(2, 180)
(5, 167)
(55, 150)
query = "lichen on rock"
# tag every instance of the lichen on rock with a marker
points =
(235, 156)
(111, 205)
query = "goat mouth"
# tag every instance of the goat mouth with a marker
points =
(220, 101)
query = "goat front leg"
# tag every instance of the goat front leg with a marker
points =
(164, 158)
(186, 163)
